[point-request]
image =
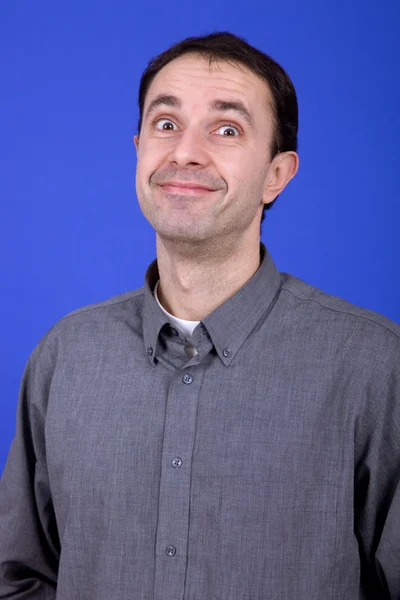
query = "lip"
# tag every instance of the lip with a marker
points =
(180, 187)
(186, 190)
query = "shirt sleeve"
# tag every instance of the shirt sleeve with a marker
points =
(29, 544)
(377, 482)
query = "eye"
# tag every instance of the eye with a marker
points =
(166, 120)
(229, 127)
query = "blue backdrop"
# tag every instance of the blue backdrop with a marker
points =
(71, 229)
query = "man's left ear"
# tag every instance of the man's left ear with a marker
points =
(282, 169)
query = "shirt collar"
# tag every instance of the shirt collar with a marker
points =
(230, 323)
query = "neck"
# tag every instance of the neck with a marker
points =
(195, 280)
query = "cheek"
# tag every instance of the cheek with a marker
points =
(247, 182)
(243, 174)
(149, 160)
(144, 169)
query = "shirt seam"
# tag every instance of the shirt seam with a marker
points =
(352, 314)
(140, 292)
(104, 304)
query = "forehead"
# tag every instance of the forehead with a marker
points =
(193, 78)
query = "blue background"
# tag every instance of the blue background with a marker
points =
(71, 231)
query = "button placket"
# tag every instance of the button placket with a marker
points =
(175, 482)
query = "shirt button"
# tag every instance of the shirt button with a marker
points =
(176, 462)
(226, 351)
(170, 550)
(150, 351)
(187, 378)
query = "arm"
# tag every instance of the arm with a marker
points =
(29, 545)
(377, 483)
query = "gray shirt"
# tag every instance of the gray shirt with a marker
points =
(266, 467)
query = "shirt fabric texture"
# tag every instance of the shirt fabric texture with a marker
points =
(265, 467)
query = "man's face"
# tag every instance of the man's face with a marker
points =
(218, 149)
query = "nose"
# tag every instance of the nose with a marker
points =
(189, 148)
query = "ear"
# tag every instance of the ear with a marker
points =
(136, 142)
(282, 169)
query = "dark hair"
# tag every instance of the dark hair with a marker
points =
(223, 45)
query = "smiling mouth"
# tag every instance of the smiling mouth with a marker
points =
(192, 191)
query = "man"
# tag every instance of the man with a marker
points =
(227, 431)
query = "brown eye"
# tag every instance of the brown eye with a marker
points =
(229, 130)
(166, 122)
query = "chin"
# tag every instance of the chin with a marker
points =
(182, 235)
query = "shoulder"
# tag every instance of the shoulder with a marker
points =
(107, 307)
(367, 338)
(90, 324)
(315, 301)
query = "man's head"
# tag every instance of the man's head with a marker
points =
(218, 112)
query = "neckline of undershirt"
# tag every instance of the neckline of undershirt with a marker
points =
(185, 327)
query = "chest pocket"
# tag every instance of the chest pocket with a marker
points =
(276, 540)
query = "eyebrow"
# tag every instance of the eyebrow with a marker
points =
(214, 106)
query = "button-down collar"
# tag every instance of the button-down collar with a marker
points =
(230, 323)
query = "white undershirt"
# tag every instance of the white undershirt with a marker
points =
(184, 326)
